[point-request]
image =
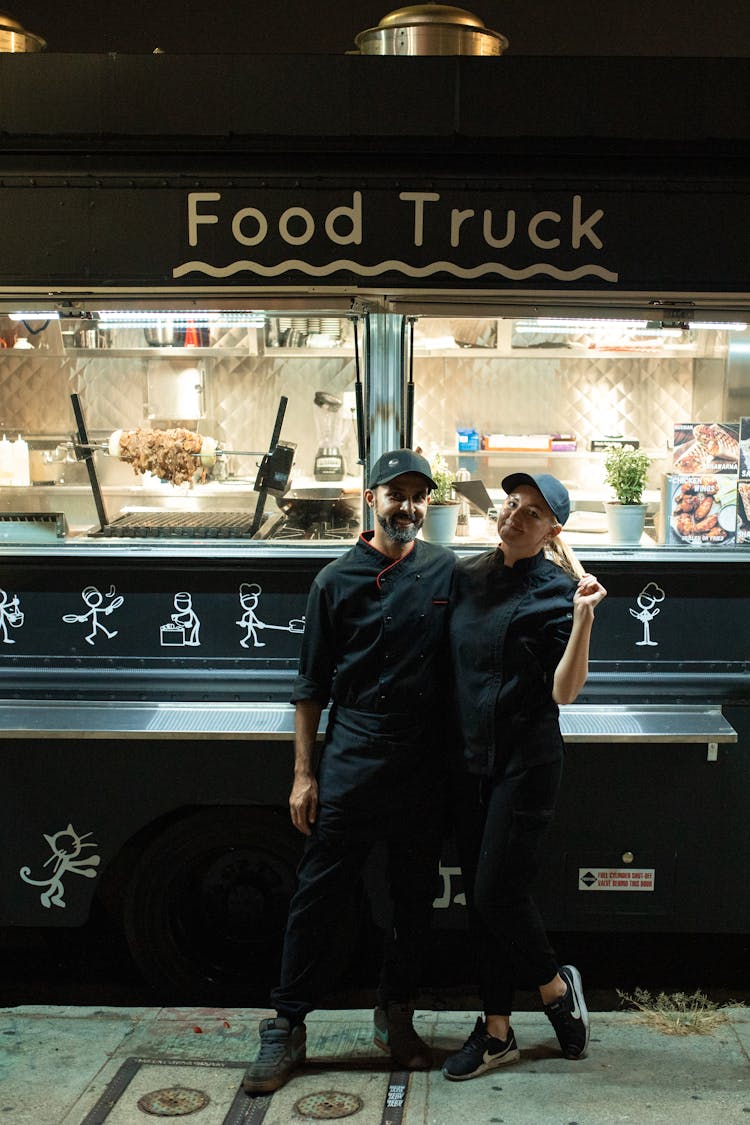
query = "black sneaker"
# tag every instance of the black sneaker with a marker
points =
(395, 1034)
(282, 1050)
(481, 1052)
(569, 1016)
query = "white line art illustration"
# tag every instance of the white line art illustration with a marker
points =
(393, 265)
(94, 600)
(66, 847)
(647, 610)
(11, 615)
(184, 626)
(249, 594)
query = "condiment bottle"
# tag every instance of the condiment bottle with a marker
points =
(462, 523)
(6, 461)
(20, 462)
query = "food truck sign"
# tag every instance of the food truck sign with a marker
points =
(438, 233)
(460, 241)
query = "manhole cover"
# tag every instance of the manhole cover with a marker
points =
(328, 1104)
(175, 1101)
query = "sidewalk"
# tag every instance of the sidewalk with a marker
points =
(91, 1066)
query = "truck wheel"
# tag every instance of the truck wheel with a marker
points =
(206, 904)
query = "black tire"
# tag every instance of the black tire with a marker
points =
(206, 905)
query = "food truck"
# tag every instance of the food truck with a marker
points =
(227, 285)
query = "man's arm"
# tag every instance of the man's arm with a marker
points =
(303, 800)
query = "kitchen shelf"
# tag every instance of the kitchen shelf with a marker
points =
(307, 353)
(158, 353)
(556, 453)
(521, 453)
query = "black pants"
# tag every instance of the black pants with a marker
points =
(500, 825)
(316, 944)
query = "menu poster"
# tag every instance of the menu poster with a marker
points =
(702, 508)
(706, 447)
(743, 485)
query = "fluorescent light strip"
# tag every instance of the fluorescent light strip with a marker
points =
(558, 326)
(36, 315)
(147, 319)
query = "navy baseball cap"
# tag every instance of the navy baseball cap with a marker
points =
(554, 493)
(399, 461)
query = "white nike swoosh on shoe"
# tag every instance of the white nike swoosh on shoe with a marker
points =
(575, 1010)
(488, 1056)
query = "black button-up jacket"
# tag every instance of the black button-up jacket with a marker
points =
(376, 643)
(509, 628)
(375, 630)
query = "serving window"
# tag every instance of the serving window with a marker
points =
(187, 422)
(555, 394)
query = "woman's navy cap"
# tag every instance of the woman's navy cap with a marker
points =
(554, 493)
(399, 461)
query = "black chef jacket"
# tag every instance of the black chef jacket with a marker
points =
(375, 643)
(509, 628)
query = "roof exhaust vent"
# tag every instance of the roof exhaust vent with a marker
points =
(13, 38)
(430, 29)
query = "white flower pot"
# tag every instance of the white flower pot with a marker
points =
(440, 523)
(625, 521)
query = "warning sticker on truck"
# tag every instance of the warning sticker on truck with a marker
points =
(615, 879)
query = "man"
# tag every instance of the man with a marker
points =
(374, 645)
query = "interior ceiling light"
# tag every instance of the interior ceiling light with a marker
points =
(719, 325)
(138, 318)
(35, 315)
(573, 325)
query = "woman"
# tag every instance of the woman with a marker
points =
(520, 640)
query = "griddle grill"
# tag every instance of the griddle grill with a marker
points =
(185, 525)
(273, 477)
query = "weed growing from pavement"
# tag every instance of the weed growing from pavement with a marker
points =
(677, 1013)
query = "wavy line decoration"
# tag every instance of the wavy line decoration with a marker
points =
(393, 265)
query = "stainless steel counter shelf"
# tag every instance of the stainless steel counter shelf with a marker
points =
(600, 723)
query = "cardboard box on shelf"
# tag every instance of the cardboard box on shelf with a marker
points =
(527, 443)
(601, 445)
(706, 447)
(700, 509)
(563, 443)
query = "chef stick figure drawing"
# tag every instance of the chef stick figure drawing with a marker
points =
(94, 599)
(10, 614)
(186, 618)
(647, 610)
(249, 595)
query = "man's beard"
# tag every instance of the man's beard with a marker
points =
(397, 533)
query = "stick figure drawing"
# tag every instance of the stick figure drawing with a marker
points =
(647, 610)
(249, 595)
(94, 600)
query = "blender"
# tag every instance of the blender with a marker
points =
(329, 459)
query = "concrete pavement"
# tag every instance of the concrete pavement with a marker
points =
(122, 1066)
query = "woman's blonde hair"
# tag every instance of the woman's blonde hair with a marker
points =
(559, 552)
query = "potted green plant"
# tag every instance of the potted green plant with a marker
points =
(626, 472)
(442, 512)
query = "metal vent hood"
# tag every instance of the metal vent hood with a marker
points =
(14, 39)
(431, 29)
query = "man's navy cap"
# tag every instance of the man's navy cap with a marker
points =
(399, 461)
(554, 493)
